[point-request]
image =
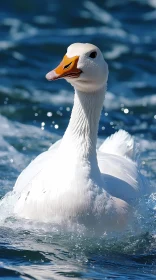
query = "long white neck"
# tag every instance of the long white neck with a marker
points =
(81, 132)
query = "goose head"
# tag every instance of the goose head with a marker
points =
(83, 66)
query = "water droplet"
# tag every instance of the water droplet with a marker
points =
(56, 126)
(126, 111)
(49, 114)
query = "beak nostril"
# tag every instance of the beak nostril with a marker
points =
(66, 66)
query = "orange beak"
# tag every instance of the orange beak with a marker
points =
(66, 69)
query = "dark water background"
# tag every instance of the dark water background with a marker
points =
(34, 113)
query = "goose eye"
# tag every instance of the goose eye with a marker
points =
(93, 54)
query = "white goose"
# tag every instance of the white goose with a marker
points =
(72, 180)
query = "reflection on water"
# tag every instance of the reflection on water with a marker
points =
(34, 37)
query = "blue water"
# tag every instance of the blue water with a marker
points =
(34, 113)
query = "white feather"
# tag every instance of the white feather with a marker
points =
(120, 143)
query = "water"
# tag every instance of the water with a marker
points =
(34, 113)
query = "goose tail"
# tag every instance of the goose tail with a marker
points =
(122, 144)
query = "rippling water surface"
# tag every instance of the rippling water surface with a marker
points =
(34, 113)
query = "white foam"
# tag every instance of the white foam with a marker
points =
(116, 52)
(100, 14)
(114, 102)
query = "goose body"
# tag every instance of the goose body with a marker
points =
(73, 180)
